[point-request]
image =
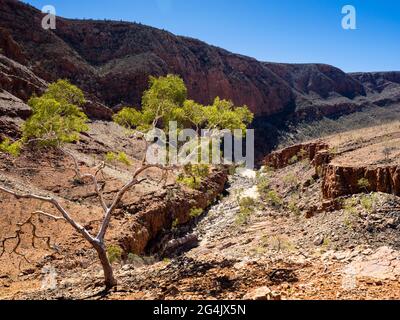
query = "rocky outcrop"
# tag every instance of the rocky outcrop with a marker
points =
(342, 181)
(338, 180)
(159, 212)
(282, 158)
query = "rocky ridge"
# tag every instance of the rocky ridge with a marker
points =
(112, 61)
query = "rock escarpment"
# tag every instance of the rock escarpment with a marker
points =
(341, 181)
(338, 180)
(282, 158)
(112, 62)
(159, 212)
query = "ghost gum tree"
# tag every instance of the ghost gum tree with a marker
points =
(57, 120)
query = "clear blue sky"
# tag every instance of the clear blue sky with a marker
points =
(269, 30)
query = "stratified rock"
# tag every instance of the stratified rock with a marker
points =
(344, 180)
(282, 158)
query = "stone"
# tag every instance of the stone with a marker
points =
(318, 241)
(262, 293)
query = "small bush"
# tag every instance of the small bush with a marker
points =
(111, 157)
(114, 253)
(368, 202)
(175, 224)
(291, 180)
(196, 212)
(293, 208)
(193, 175)
(121, 157)
(363, 183)
(247, 207)
(263, 185)
(12, 148)
(293, 160)
(350, 206)
(274, 199)
(190, 182)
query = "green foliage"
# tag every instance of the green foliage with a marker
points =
(319, 171)
(111, 157)
(350, 206)
(193, 175)
(333, 150)
(12, 148)
(65, 93)
(175, 224)
(363, 183)
(291, 180)
(222, 114)
(190, 182)
(121, 157)
(194, 113)
(131, 118)
(274, 199)
(247, 206)
(302, 154)
(368, 202)
(56, 115)
(278, 243)
(165, 101)
(293, 160)
(263, 185)
(114, 253)
(195, 212)
(293, 208)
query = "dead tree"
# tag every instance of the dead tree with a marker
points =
(96, 241)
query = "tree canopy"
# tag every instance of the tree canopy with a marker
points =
(166, 100)
(56, 115)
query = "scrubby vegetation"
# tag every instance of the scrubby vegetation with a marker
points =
(247, 207)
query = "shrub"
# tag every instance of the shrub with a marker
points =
(274, 199)
(263, 185)
(293, 208)
(291, 180)
(293, 159)
(111, 157)
(189, 182)
(247, 206)
(363, 183)
(175, 224)
(302, 154)
(12, 148)
(114, 253)
(121, 157)
(193, 175)
(368, 202)
(350, 206)
(195, 212)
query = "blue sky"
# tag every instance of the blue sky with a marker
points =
(297, 31)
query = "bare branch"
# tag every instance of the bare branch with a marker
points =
(58, 206)
(82, 177)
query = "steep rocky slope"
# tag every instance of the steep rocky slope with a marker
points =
(113, 60)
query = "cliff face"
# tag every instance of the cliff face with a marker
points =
(341, 181)
(113, 60)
